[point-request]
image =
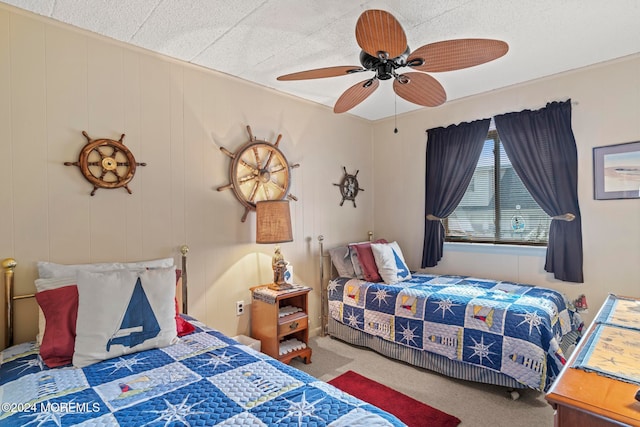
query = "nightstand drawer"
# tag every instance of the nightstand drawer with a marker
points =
(293, 323)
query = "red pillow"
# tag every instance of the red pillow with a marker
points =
(60, 308)
(182, 325)
(367, 261)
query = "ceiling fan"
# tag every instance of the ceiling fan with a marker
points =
(385, 51)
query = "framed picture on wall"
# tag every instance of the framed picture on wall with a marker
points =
(616, 171)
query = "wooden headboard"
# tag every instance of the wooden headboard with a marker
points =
(9, 265)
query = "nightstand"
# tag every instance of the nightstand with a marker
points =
(280, 320)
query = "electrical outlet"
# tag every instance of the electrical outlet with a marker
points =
(239, 308)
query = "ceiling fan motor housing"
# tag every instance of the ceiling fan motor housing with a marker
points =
(384, 68)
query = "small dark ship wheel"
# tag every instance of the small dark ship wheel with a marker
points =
(349, 187)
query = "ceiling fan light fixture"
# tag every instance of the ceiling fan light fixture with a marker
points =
(415, 62)
(402, 79)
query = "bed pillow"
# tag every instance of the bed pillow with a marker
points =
(342, 261)
(122, 312)
(51, 270)
(47, 270)
(57, 314)
(183, 327)
(390, 261)
(357, 268)
(367, 261)
(60, 308)
(50, 284)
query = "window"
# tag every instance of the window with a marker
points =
(497, 208)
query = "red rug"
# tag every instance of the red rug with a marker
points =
(410, 411)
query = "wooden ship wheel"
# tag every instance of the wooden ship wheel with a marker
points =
(349, 187)
(106, 163)
(258, 171)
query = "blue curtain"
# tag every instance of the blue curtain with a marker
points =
(452, 156)
(542, 150)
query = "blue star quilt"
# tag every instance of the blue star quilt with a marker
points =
(502, 326)
(205, 379)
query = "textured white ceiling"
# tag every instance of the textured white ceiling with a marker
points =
(258, 40)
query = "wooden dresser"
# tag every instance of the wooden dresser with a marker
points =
(584, 398)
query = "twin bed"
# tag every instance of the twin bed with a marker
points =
(488, 331)
(111, 376)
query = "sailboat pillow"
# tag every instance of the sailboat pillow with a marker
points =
(122, 312)
(390, 262)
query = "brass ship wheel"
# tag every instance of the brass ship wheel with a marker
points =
(258, 171)
(106, 163)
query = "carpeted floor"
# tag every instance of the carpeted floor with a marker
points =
(473, 403)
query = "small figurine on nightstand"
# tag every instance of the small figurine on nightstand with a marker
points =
(279, 270)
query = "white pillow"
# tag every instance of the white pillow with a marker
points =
(48, 270)
(391, 264)
(65, 272)
(122, 312)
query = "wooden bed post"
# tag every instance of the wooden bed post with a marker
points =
(8, 265)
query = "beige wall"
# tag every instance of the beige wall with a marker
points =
(56, 81)
(606, 110)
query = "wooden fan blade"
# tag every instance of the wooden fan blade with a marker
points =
(355, 95)
(320, 73)
(452, 55)
(378, 31)
(420, 88)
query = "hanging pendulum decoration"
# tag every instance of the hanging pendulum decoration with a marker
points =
(395, 114)
(106, 163)
(349, 187)
(258, 171)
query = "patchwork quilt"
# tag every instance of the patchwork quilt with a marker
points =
(205, 379)
(507, 327)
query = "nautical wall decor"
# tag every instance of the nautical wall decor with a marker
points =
(349, 187)
(258, 171)
(106, 163)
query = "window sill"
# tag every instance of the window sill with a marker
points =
(488, 248)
